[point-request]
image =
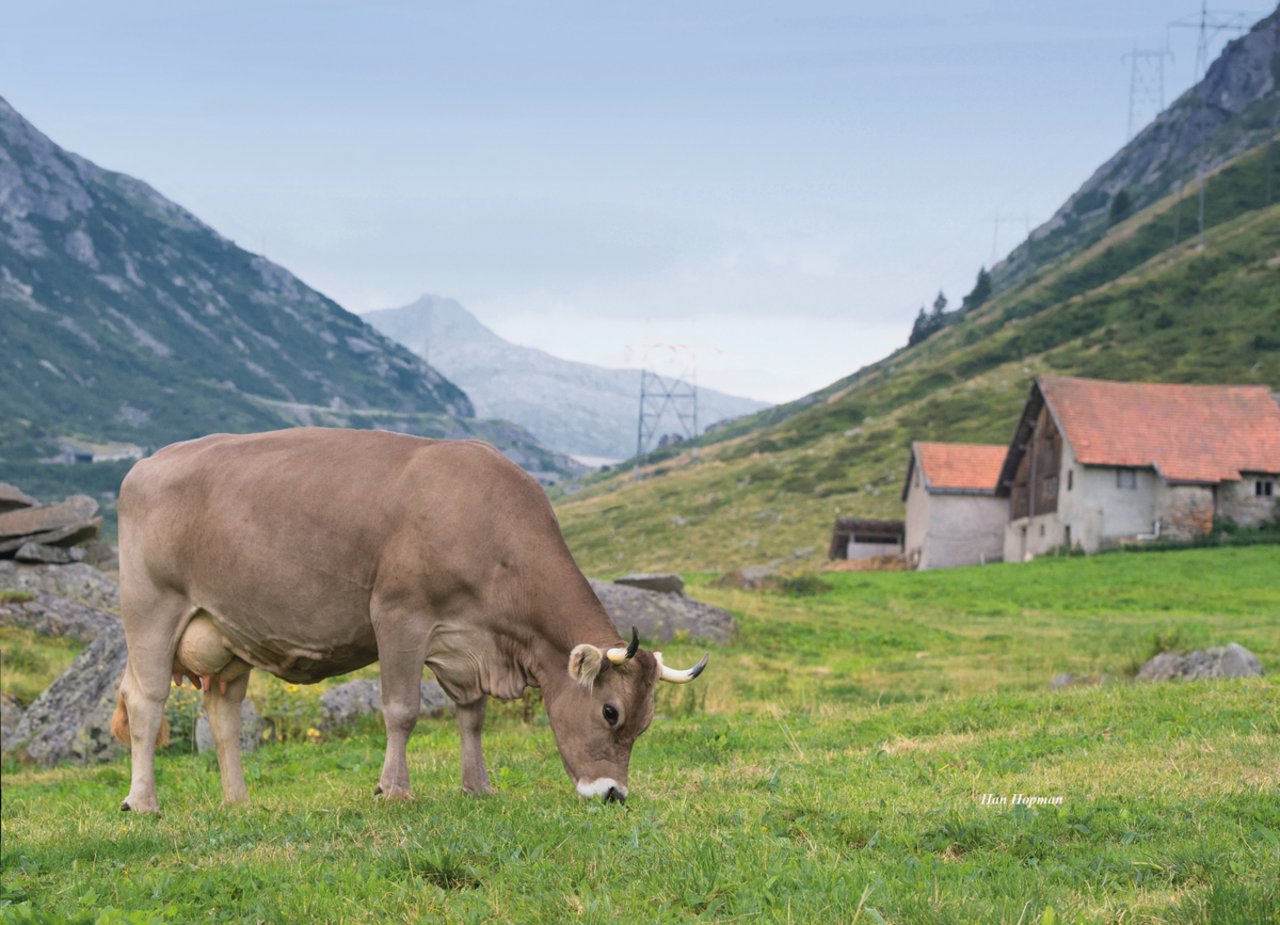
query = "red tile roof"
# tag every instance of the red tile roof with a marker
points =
(960, 466)
(1189, 433)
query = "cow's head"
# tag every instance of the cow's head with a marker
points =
(598, 716)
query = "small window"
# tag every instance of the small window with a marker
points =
(1264, 488)
(1070, 478)
(1068, 535)
(1126, 478)
(1042, 529)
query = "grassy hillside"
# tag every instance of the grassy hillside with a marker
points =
(831, 765)
(1132, 306)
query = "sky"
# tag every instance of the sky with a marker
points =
(777, 186)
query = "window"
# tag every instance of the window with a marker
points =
(1126, 478)
(1070, 478)
(1264, 488)
(1068, 535)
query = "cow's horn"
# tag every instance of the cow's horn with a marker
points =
(676, 676)
(620, 655)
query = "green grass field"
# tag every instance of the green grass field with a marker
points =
(843, 761)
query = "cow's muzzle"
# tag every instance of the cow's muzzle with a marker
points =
(606, 788)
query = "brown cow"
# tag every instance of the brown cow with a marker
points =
(312, 552)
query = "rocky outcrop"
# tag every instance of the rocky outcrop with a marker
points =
(10, 715)
(77, 582)
(71, 720)
(348, 702)
(751, 578)
(659, 616)
(33, 533)
(12, 498)
(666, 582)
(1230, 661)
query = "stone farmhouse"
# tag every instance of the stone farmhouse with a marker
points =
(1095, 464)
(954, 516)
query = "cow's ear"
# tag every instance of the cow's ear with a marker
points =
(585, 662)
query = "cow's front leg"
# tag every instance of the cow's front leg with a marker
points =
(475, 779)
(224, 721)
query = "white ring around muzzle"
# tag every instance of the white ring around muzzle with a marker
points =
(599, 787)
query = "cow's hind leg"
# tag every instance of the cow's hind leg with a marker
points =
(224, 722)
(475, 778)
(151, 633)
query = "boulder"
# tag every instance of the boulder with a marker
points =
(78, 582)
(666, 582)
(10, 715)
(48, 555)
(83, 532)
(1230, 661)
(1062, 680)
(347, 702)
(70, 721)
(660, 616)
(12, 498)
(47, 517)
(252, 726)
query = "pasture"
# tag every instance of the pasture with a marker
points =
(853, 757)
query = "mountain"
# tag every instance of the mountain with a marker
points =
(124, 319)
(575, 407)
(1234, 108)
(1127, 304)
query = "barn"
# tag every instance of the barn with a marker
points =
(1095, 463)
(954, 515)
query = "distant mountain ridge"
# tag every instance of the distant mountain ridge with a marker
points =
(125, 319)
(571, 406)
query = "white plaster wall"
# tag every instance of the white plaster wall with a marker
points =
(1125, 512)
(964, 530)
(917, 522)
(867, 550)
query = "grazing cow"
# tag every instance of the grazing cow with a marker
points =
(312, 552)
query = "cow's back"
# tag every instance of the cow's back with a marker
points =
(282, 536)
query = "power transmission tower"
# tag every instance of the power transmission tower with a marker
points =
(1210, 24)
(675, 390)
(1146, 86)
(997, 220)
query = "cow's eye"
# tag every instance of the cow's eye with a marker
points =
(611, 714)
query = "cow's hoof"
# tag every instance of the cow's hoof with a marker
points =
(377, 791)
(125, 807)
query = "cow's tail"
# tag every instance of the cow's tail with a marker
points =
(120, 722)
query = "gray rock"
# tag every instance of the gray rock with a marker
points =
(347, 702)
(47, 517)
(77, 582)
(1062, 680)
(666, 582)
(50, 615)
(48, 555)
(10, 715)
(252, 726)
(70, 721)
(1230, 661)
(659, 616)
(12, 498)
